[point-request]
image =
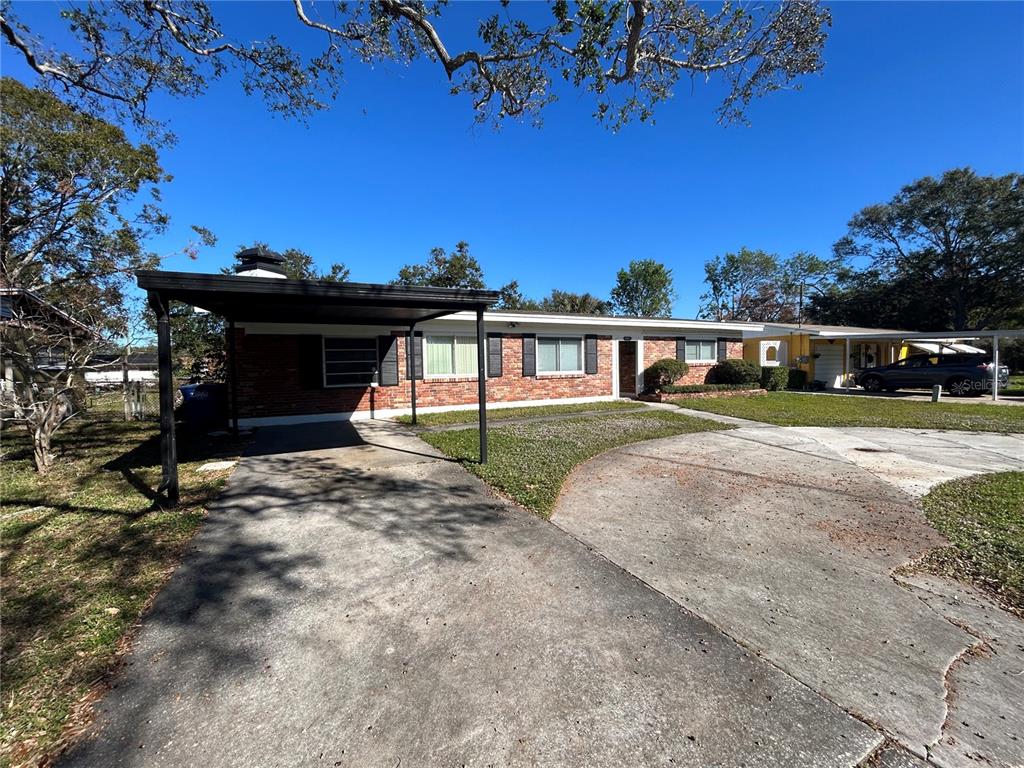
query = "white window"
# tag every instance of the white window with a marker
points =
(350, 362)
(701, 351)
(451, 355)
(559, 354)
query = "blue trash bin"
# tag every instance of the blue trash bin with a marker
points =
(204, 405)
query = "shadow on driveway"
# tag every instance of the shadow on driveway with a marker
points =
(355, 600)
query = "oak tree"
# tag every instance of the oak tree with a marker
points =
(114, 56)
(955, 242)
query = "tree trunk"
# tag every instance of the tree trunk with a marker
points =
(42, 453)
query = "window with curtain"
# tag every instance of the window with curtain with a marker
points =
(450, 355)
(350, 362)
(559, 354)
(701, 351)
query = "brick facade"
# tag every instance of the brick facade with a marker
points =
(659, 347)
(273, 381)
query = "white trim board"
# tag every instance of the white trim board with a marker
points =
(389, 413)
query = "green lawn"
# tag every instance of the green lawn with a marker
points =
(443, 418)
(792, 409)
(1015, 387)
(83, 552)
(529, 462)
(983, 518)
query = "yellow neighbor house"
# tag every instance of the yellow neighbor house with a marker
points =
(830, 353)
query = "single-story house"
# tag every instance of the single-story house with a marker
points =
(829, 353)
(294, 372)
(35, 336)
(111, 369)
(293, 364)
(308, 350)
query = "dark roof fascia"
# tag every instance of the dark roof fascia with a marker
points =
(357, 293)
(48, 306)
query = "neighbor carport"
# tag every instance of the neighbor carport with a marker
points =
(238, 298)
(942, 339)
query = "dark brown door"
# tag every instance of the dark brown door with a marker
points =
(627, 368)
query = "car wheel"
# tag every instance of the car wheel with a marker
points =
(960, 386)
(872, 383)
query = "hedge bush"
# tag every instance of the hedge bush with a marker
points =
(664, 373)
(735, 372)
(797, 379)
(774, 378)
(687, 388)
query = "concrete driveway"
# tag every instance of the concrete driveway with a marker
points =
(787, 540)
(356, 600)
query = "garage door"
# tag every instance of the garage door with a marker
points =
(828, 366)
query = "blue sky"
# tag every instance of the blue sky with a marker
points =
(397, 166)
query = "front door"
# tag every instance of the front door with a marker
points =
(627, 368)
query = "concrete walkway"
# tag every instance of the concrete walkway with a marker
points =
(356, 600)
(787, 540)
(912, 460)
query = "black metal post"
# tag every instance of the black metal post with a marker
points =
(233, 372)
(168, 447)
(411, 352)
(481, 379)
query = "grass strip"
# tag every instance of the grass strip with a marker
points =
(83, 552)
(443, 418)
(792, 409)
(530, 462)
(983, 518)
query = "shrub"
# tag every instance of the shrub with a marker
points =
(797, 379)
(774, 378)
(687, 388)
(664, 373)
(735, 372)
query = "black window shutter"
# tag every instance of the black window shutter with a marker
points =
(417, 355)
(723, 348)
(311, 362)
(529, 354)
(493, 355)
(590, 353)
(680, 348)
(387, 352)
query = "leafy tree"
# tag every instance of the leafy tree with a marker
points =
(299, 265)
(71, 234)
(955, 243)
(458, 269)
(575, 303)
(199, 343)
(869, 299)
(644, 290)
(67, 179)
(762, 287)
(742, 286)
(114, 56)
(804, 275)
(511, 299)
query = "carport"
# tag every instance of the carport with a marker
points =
(240, 298)
(942, 338)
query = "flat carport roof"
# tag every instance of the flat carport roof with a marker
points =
(938, 336)
(239, 298)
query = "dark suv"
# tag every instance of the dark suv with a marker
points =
(958, 374)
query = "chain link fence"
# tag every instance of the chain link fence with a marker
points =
(138, 401)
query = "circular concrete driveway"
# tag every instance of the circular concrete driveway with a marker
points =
(355, 600)
(776, 537)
